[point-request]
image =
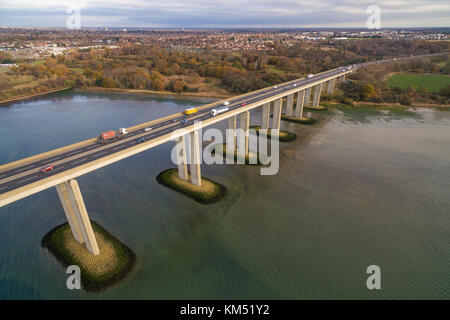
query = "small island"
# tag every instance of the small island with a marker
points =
(303, 120)
(98, 272)
(284, 136)
(209, 192)
(318, 108)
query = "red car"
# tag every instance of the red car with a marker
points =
(243, 104)
(47, 169)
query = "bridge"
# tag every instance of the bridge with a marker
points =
(22, 178)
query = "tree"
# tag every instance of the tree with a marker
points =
(108, 82)
(445, 92)
(368, 92)
(178, 86)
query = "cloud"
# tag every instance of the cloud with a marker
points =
(224, 13)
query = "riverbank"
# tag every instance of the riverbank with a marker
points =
(31, 96)
(385, 106)
(207, 94)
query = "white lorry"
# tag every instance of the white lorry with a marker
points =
(216, 111)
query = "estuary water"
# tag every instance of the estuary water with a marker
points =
(369, 188)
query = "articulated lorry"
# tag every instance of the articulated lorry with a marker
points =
(111, 135)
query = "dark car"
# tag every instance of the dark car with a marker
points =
(140, 140)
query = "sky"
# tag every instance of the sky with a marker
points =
(224, 13)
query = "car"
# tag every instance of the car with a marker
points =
(147, 129)
(174, 120)
(184, 121)
(275, 87)
(47, 169)
(140, 140)
(294, 85)
(226, 103)
(243, 104)
(310, 76)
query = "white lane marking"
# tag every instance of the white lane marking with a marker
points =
(32, 177)
(77, 161)
(22, 169)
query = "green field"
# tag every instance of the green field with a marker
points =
(433, 82)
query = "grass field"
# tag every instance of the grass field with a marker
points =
(433, 82)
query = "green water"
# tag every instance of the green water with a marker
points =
(367, 188)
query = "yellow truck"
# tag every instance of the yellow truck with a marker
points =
(190, 111)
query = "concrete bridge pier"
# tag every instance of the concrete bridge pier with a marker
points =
(317, 92)
(243, 134)
(182, 158)
(324, 86)
(299, 105)
(289, 105)
(276, 121)
(72, 202)
(265, 116)
(307, 97)
(231, 137)
(196, 174)
(331, 84)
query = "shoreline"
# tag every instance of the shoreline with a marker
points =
(163, 93)
(31, 96)
(394, 104)
(206, 96)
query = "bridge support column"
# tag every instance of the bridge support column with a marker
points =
(331, 86)
(196, 174)
(299, 105)
(72, 202)
(276, 121)
(343, 78)
(317, 92)
(289, 105)
(307, 97)
(324, 87)
(265, 116)
(182, 158)
(243, 133)
(232, 128)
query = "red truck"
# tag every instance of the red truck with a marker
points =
(112, 135)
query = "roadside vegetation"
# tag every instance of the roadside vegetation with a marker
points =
(418, 82)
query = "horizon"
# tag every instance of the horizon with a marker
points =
(245, 14)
